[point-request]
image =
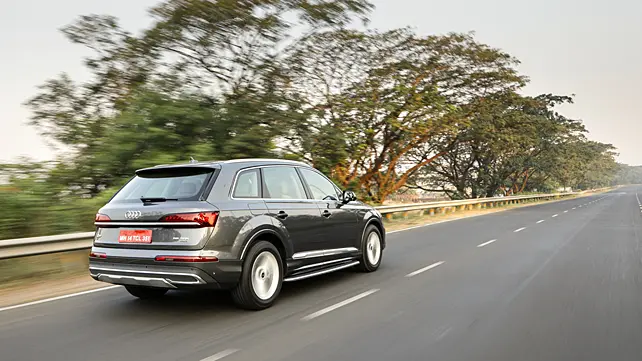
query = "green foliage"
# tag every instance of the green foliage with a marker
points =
(378, 112)
(627, 174)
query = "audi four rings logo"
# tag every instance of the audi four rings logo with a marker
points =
(133, 214)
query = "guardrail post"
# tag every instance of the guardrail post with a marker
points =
(431, 211)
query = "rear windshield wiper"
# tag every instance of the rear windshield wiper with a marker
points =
(156, 199)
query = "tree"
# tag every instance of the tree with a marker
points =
(211, 64)
(507, 140)
(584, 164)
(627, 174)
(387, 101)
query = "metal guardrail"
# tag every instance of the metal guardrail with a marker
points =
(21, 247)
(480, 202)
(32, 246)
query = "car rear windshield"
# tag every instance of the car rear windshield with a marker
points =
(182, 184)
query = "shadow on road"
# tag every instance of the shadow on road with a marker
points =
(208, 303)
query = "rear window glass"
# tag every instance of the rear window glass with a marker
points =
(182, 185)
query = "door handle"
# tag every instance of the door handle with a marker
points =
(326, 213)
(282, 215)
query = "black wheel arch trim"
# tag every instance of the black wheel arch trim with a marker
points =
(379, 223)
(255, 236)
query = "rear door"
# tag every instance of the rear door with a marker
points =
(290, 206)
(341, 227)
(161, 209)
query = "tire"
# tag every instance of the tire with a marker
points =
(371, 252)
(146, 293)
(259, 287)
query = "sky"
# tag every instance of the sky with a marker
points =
(588, 48)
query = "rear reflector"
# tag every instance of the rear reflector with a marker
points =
(102, 218)
(186, 259)
(97, 255)
(204, 219)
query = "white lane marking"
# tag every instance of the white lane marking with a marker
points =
(565, 211)
(540, 221)
(340, 304)
(519, 229)
(574, 207)
(424, 269)
(220, 355)
(638, 198)
(555, 215)
(486, 243)
(56, 298)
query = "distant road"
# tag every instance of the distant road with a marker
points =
(558, 281)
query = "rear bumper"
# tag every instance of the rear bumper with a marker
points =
(175, 275)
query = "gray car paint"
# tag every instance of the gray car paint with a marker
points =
(240, 223)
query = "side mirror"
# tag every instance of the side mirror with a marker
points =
(349, 196)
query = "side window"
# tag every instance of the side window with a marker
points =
(321, 188)
(282, 183)
(247, 185)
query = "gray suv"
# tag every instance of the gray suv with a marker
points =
(242, 225)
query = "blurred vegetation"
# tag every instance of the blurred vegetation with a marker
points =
(380, 112)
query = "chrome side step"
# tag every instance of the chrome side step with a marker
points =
(321, 272)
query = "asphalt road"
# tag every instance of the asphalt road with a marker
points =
(553, 282)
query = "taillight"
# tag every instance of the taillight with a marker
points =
(102, 218)
(186, 259)
(204, 219)
(97, 255)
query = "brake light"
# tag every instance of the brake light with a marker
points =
(97, 255)
(204, 219)
(102, 218)
(186, 259)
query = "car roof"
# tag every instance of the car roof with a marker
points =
(245, 162)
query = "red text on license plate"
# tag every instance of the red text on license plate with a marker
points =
(135, 236)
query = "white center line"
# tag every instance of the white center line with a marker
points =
(555, 215)
(574, 207)
(540, 221)
(424, 269)
(486, 243)
(565, 211)
(220, 355)
(519, 229)
(638, 198)
(337, 305)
